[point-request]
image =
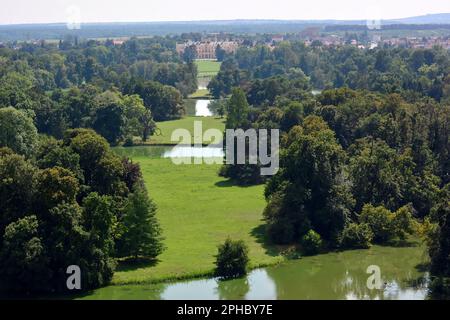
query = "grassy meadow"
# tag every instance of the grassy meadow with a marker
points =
(197, 210)
(201, 94)
(207, 68)
(165, 128)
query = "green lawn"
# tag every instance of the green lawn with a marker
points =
(201, 93)
(206, 70)
(207, 67)
(197, 210)
(166, 128)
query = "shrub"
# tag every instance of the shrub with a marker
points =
(311, 242)
(403, 222)
(232, 259)
(387, 225)
(243, 174)
(356, 236)
(379, 220)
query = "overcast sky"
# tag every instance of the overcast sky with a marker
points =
(44, 11)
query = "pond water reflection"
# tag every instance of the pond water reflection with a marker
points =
(202, 109)
(338, 275)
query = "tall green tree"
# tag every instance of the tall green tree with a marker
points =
(439, 242)
(190, 54)
(139, 119)
(17, 131)
(110, 122)
(98, 221)
(165, 102)
(309, 192)
(142, 233)
(237, 110)
(24, 262)
(18, 179)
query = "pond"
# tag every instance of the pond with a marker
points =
(337, 275)
(202, 109)
(199, 107)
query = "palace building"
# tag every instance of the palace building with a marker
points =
(207, 50)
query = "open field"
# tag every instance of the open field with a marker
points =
(197, 210)
(163, 136)
(207, 68)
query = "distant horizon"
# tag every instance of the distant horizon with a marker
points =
(216, 20)
(24, 12)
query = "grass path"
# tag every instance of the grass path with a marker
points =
(197, 210)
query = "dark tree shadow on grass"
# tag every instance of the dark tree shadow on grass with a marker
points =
(401, 243)
(260, 234)
(225, 184)
(131, 264)
(232, 183)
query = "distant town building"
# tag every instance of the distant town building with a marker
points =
(277, 38)
(418, 42)
(378, 40)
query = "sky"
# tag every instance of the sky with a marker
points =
(50, 11)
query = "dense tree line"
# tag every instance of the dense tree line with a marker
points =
(67, 202)
(115, 90)
(423, 72)
(72, 63)
(365, 161)
(356, 167)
